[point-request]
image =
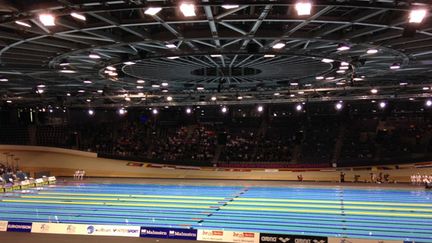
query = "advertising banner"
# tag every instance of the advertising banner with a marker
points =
(19, 227)
(349, 240)
(228, 236)
(113, 230)
(279, 238)
(168, 233)
(53, 228)
(3, 226)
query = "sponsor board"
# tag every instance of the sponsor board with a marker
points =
(228, 236)
(168, 233)
(53, 228)
(19, 227)
(278, 238)
(3, 226)
(113, 230)
(349, 240)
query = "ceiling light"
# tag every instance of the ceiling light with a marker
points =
(344, 63)
(67, 71)
(294, 84)
(99, 91)
(382, 104)
(155, 85)
(269, 55)
(428, 103)
(338, 106)
(140, 87)
(200, 88)
(340, 71)
(127, 99)
(224, 109)
(425, 88)
(216, 55)
(319, 78)
(122, 111)
(403, 84)
(87, 81)
(40, 91)
(88, 100)
(90, 112)
(112, 73)
(357, 79)
(213, 98)
(417, 15)
(326, 60)
(300, 92)
(78, 16)
(188, 110)
(47, 19)
(371, 51)
(239, 97)
(174, 57)
(81, 91)
(64, 63)
(374, 91)
(164, 91)
(344, 67)
(299, 107)
(260, 108)
(169, 98)
(330, 78)
(164, 84)
(276, 94)
(23, 23)
(278, 45)
(68, 94)
(155, 111)
(395, 66)
(4, 79)
(229, 6)
(188, 9)
(303, 8)
(343, 47)
(340, 83)
(111, 68)
(94, 56)
(41, 86)
(129, 63)
(152, 10)
(140, 81)
(170, 45)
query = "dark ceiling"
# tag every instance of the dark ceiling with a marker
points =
(221, 52)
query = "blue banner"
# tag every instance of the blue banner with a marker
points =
(19, 227)
(168, 233)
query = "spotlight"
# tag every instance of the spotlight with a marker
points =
(122, 111)
(303, 8)
(229, 6)
(188, 110)
(91, 112)
(343, 47)
(152, 10)
(278, 45)
(299, 107)
(338, 106)
(23, 23)
(416, 16)
(78, 16)
(428, 103)
(374, 91)
(224, 109)
(170, 46)
(382, 104)
(169, 98)
(155, 111)
(371, 51)
(188, 9)
(94, 56)
(260, 108)
(47, 19)
(327, 60)
(395, 66)
(213, 98)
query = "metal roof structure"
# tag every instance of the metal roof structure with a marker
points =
(122, 56)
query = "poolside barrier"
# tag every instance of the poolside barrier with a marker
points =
(27, 184)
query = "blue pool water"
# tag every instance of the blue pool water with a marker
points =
(333, 212)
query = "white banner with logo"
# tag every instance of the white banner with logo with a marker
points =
(113, 230)
(349, 240)
(3, 226)
(228, 236)
(53, 228)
